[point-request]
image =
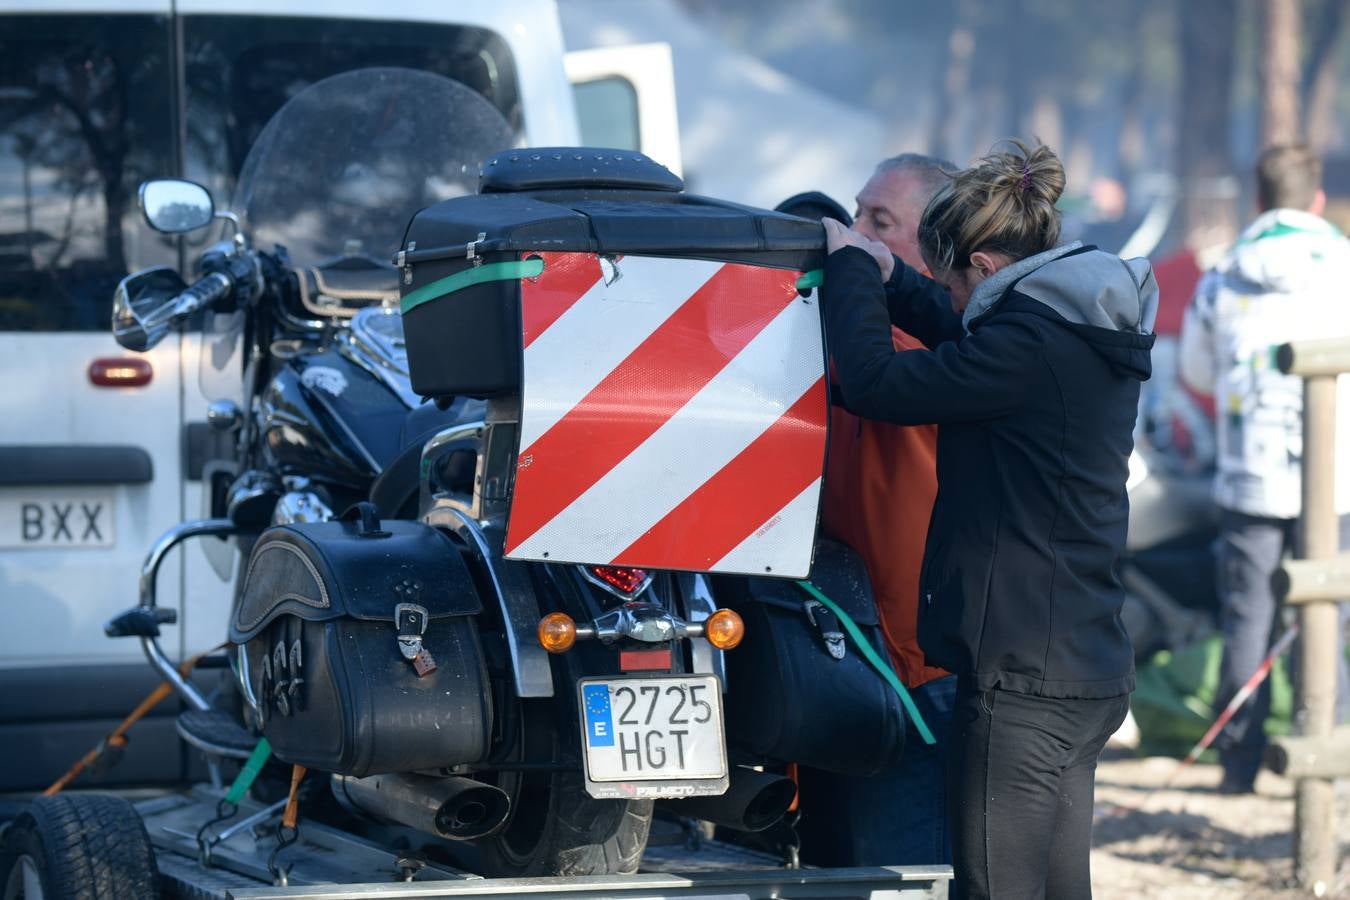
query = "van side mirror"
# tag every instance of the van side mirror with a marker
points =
(172, 206)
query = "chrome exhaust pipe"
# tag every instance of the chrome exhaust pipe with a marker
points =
(456, 808)
(753, 801)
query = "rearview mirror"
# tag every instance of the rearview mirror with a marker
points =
(174, 207)
(143, 306)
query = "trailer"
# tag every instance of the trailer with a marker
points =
(241, 858)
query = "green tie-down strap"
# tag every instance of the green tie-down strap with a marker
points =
(813, 279)
(498, 271)
(870, 653)
(249, 773)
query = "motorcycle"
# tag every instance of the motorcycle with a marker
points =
(1168, 571)
(380, 631)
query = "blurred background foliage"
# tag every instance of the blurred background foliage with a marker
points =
(1140, 97)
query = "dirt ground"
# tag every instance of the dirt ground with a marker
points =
(1191, 843)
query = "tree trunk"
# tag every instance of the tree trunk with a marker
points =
(1208, 190)
(1318, 94)
(1282, 24)
(950, 128)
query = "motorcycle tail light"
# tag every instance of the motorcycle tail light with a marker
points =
(625, 581)
(645, 660)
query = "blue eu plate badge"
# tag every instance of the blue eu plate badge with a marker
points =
(599, 720)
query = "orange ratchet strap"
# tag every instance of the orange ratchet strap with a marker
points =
(118, 737)
(292, 814)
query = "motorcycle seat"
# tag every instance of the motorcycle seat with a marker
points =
(396, 487)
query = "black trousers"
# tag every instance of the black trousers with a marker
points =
(1020, 787)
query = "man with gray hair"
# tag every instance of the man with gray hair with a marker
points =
(880, 483)
(893, 200)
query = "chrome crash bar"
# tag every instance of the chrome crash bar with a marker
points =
(150, 574)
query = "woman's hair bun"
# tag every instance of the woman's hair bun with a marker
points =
(1005, 202)
(1040, 174)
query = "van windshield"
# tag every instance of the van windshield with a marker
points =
(240, 70)
(88, 112)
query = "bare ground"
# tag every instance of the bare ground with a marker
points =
(1189, 842)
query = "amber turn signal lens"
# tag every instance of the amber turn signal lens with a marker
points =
(557, 632)
(724, 629)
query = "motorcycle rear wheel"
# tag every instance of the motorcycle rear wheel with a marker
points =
(555, 827)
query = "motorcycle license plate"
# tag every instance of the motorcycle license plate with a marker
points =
(653, 737)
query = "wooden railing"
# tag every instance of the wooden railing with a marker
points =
(1319, 752)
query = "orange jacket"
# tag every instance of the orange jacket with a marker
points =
(880, 483)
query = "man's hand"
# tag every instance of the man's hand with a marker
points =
(838, 235)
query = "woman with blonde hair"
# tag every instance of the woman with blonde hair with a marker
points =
(1036, 355)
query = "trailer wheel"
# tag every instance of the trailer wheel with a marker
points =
(78, 847)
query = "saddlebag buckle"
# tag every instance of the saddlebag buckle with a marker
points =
(827, 623)
(411, 621)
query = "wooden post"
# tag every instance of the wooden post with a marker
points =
(1315, 802)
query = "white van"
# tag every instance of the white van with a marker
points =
(100, 450)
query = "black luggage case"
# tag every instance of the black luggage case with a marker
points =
(361, 647)
(463, 259)
(800, 690)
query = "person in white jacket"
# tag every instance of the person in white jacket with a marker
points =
(1287, 278)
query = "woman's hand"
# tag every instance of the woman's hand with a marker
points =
(837, 235)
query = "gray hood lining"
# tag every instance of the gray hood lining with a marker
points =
(990, 291)
(1096, 289)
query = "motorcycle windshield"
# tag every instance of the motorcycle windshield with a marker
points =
(343, 166)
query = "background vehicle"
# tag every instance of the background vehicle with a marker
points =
(95, 462)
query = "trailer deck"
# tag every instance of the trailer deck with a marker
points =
(326, 863)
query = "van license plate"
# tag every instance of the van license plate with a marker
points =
(653, 737)
(56, 519)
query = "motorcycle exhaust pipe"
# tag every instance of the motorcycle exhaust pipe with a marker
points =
(753, 801)
(456, 808)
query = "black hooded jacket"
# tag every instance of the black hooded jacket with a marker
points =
(1035, 395)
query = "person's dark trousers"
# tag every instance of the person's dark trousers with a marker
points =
(896, 818)
(1020, 783)
(1250, 550)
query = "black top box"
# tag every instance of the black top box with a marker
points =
(463, 259)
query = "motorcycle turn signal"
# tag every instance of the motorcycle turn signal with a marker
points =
(724, 629)
(557, 632)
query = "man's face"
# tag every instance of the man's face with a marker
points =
(889, 208)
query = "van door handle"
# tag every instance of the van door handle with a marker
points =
(22, 464)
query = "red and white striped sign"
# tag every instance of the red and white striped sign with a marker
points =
(673, 416)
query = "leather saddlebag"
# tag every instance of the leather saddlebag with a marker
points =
(360, 647)
(798, 689)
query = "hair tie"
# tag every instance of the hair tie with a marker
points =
(1026, 179)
